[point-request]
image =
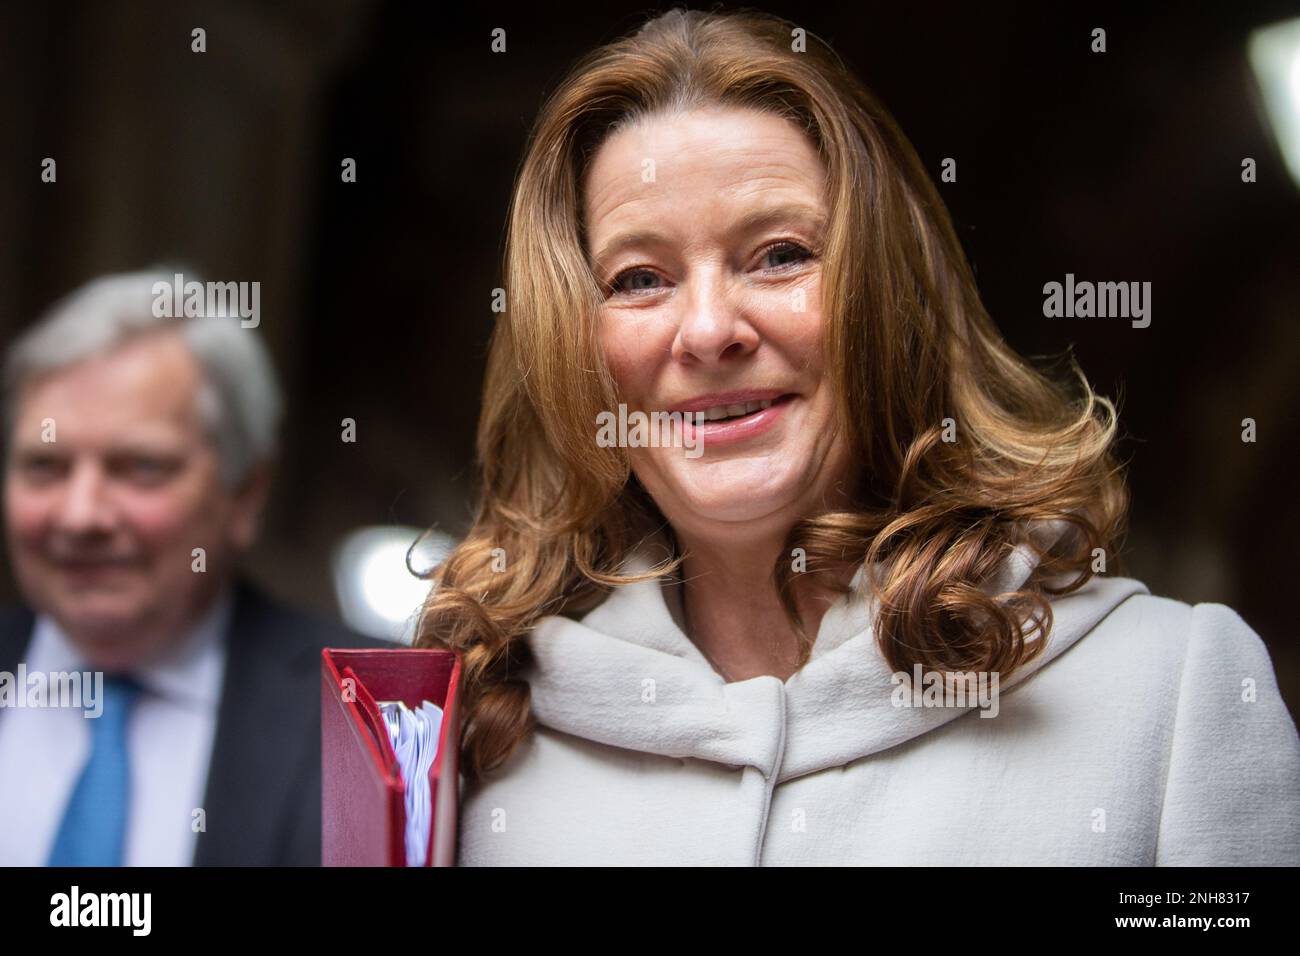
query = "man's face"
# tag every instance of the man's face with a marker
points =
(104, 518)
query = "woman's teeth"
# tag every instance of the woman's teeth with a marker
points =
(720, 412)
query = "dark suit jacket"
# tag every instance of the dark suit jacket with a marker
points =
(263, 798)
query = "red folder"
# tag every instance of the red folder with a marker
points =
(363, 809)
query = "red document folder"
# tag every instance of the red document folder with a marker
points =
(363, 809)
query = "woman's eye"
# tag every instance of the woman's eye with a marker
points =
(634, 280)
(778, 257)
(782, 255)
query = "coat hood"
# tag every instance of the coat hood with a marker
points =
(626, 675)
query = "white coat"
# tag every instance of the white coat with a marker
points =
(1149, 732)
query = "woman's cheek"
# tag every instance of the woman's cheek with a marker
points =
(625, 357)
(801, 325)
(613, 347)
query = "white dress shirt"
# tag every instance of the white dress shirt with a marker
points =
(169, 741)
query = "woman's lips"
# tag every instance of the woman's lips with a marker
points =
(735, 430)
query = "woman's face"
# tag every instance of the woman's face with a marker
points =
(706, 231)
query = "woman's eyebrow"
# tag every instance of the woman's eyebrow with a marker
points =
(786, 212)
(641, 237)
(751, 221)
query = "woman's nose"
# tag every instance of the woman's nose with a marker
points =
(713, 327)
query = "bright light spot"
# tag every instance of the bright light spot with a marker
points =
(389, 588)
(1275, 57)
(378, 595)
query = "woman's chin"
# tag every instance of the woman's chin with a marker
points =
(737, 503)
(739, 490)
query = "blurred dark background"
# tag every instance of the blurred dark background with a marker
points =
(1122, 166)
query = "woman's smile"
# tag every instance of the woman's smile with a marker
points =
(734, 419)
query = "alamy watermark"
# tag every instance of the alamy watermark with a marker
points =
(639, 429)
(81, 689)
(963, 689)
(1101, 300)
(195, 299)
(131, 910)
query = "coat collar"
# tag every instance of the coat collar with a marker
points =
(626, 675)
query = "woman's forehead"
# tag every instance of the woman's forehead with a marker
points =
(681, 159)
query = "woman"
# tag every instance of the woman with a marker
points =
(761, 641)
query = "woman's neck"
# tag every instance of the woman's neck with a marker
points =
(733, 610)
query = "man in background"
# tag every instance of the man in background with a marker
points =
(138, 460)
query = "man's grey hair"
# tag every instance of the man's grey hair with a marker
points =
(239, 401)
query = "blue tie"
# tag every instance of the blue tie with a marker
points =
(94, 822)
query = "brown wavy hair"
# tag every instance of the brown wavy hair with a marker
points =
(911, 352)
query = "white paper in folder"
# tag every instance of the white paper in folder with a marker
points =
(414, 734)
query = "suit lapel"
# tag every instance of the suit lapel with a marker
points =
(259, 729)
(16, 626)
